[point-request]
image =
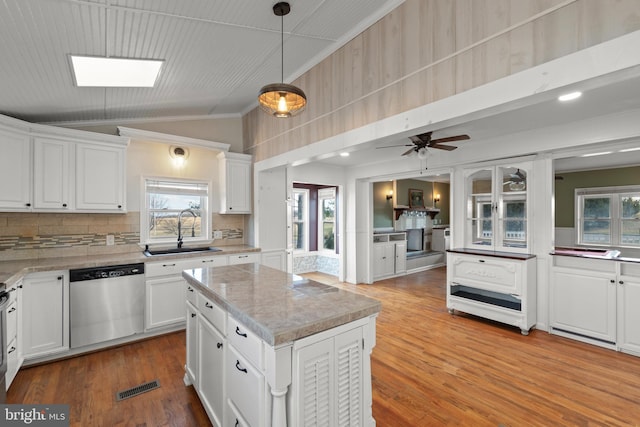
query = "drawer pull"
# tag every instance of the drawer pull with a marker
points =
(480, 260)
(237, 423)
(219, 345)
(206, 304)
(11, 350)
(243, 256)
(240, 333)
(239, 368)
(193, 315)
(168, 265)
(207, 260)
(190, 289)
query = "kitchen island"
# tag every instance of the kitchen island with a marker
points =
(267, 348)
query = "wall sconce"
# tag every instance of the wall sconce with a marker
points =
(390, 195)
(179, 155)
(436, 199)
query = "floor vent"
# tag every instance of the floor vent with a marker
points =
(134, 391)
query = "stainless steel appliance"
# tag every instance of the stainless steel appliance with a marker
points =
(106, 303)
(4, 302)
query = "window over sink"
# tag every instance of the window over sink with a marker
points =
(174, 208)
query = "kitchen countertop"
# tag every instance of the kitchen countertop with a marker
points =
(12, 271)
(277, 306)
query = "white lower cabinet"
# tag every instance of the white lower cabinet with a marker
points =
(191, 366)
(329, 381)
(596, 301)
(161, 295)
(210, 383)
(45, 316)
(389, 255)
(14, 332)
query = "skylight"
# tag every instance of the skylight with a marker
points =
(95, 71)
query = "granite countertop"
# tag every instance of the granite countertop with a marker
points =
(277, 306)
(580, 252)
(12, 271)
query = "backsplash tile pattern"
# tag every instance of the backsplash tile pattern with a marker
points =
(44, 235)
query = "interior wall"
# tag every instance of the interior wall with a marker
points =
(225, 130)
(429, 50)
(383, 208)
(565, 188)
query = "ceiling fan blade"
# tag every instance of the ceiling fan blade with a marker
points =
(450, 139)
(408, 151)
(401, 145)
(443, 147)
(416, 139)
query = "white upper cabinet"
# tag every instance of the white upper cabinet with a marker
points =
(51, 174)
(235, 183)
(15, 171)
(100, 178)
(497, 209)
(49, 169)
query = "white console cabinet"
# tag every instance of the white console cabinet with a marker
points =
(495, 285)
(389, 255)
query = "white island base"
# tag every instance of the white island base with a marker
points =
(242, 380)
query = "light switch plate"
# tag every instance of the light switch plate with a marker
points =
(111, 240)
(217, 234)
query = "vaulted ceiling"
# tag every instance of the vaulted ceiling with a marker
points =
(218, 53)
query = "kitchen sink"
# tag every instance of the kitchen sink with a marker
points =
(185, 250)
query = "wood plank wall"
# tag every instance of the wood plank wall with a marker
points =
(427, 50)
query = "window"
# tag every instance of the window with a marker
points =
(327, 216)
(300, 219)
(608, 216)
(172, 204)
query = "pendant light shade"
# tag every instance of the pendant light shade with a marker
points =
(281, 99)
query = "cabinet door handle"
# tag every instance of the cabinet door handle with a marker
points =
(12, 310)
(240, 368)
(206, 304)
(240, 332)
(64, 205)
(237, 423)
(190, 289)
(193, 315)
(11, 350)
(28, 205)
(119, 206)
(612, 281)
(219, 345)
(621, 282)
(243, 256)
(480, 260)
(59, 277)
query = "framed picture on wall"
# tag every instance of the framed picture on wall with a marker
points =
(416, 198)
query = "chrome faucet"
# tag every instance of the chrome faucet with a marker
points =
(193, 227)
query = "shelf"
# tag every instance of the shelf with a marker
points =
(432, 212)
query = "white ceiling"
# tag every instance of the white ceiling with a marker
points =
(218, 53)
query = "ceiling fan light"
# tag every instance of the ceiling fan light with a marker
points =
(517, 186)
(422, 153)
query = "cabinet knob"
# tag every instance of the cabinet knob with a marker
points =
(612, 281)
(28, 205)
(621, 282)
(193, 315)
(119, 206)
(59, 277)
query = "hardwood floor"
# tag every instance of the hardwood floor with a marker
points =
(429, 369)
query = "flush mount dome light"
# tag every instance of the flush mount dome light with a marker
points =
(281, 99)
(96, 71)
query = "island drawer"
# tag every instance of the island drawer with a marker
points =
(234, 419)
(245, 341)
(244, 258)
(192, 294)
(245, 387)
(168, 268)
(212, 312)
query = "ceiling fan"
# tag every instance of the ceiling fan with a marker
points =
(517, 181)
(423, 141)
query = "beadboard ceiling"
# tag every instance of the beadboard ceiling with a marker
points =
(218, 53)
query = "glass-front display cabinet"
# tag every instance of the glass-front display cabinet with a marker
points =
(497, 208)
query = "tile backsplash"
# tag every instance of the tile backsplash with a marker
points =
(47, 235)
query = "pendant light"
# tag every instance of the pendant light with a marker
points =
(281, 99)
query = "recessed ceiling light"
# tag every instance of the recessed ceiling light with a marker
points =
(344, 154)
(95, 71)
(569, 96)
(596, 154)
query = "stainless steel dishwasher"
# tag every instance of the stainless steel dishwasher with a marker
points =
(106, 303)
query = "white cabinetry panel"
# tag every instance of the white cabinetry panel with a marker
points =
(51, 173)
(235, 183)
(100, 178)
(15, 171)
